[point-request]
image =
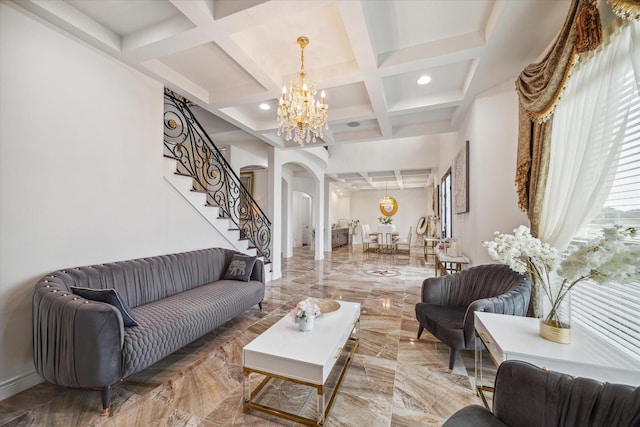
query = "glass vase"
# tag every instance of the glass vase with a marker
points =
(555, 319)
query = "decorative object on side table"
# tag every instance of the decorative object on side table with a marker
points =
(444, 244)
(305, 314)
(611, 257)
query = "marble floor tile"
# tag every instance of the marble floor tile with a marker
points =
(422, 390)
(200, 389)
(150, 412)
(394, 379)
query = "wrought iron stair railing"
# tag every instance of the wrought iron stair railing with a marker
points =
(197, 156)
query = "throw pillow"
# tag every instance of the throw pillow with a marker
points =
(109, 296)
(240, 268)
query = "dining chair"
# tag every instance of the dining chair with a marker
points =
(368, 238)
(405, 243)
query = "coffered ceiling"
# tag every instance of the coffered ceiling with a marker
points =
(231, 56)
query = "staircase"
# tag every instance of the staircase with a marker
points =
(196, 168)
(184, 186)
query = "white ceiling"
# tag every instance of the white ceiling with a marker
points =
(229, 56)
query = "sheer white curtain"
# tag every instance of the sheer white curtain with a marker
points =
(586, 136)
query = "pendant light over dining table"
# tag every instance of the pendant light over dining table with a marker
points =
(386, 201)
(301, 117)
(388, 205)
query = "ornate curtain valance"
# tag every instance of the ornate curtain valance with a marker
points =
(626, 9)
(539, 88)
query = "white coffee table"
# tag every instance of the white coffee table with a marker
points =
(286, 353)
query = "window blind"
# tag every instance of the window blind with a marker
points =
(613, 310)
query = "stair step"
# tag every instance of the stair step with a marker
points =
(183, 183)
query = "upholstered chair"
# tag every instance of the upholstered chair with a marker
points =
(368, 239)
(528, 396)
(449, 302)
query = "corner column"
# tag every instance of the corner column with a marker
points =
(274, 173)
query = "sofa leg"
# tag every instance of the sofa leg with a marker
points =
(420, 329)
(260, 305)
(452, 358)
(106, 400)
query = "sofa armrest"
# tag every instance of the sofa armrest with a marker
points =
(486, 305)
(258, 271)
(76, 342)
(513, 302)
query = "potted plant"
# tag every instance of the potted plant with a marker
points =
(385, 220)
(608, 258)
(305, 314)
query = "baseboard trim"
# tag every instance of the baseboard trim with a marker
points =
(17, 384)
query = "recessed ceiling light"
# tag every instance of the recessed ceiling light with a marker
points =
(265, 107)
(353, 124)
(423, 80)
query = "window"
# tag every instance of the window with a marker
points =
(446, 205)
(613, 310)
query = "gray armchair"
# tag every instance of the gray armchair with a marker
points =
(527, 396)
(448, 303)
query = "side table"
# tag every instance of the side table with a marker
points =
(513, 337)
(429, 247)
(448, 264)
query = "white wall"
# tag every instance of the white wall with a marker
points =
(412, 204)
(81, 174)
(261, 188)
(339, 204)
(287, 214)
(491, 128)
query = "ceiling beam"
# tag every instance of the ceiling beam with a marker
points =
(398, 175)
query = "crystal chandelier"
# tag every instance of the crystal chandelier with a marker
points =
(386, 201)
(300, 117)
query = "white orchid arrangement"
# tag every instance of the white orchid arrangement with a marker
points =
(307, 308)
(385, 220)
(613, 257)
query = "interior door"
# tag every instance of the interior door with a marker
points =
(305, 219)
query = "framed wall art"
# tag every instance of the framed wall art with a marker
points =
(461, 180)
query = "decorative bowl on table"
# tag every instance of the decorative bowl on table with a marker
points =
(327, 306)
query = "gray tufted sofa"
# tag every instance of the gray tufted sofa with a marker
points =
(175, 299)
